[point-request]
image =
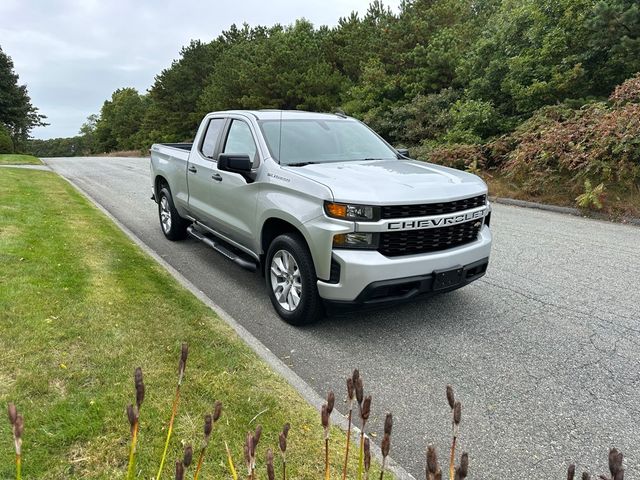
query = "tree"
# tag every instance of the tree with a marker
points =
(614, 43)
(174, 95)
(88, 133)
(274, 68)
(120, 121)
(17, 113)
(6, 144)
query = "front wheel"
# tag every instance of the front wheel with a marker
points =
(291, 280)
(173, 225)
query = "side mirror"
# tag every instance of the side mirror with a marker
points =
(235, 163)
(402, 152)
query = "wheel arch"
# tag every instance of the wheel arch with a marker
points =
(159, 182)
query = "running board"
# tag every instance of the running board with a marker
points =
(218, 247)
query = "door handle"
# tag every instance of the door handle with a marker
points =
(193, 169)
(217, 177)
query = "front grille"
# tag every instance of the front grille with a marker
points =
(410, 242)
(423, 210)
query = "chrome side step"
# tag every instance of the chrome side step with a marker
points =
(220, 248)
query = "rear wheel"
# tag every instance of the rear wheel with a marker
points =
(291, 280)
(172, 224)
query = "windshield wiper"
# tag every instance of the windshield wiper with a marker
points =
(300, 164)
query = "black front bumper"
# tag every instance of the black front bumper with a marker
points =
(403, 289)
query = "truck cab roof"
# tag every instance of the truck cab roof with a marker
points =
(272, 114)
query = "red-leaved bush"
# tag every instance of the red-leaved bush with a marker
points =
(563, 151)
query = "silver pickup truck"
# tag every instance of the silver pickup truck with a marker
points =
(329, 212)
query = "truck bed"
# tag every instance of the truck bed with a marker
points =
(181, 146)
(179, 151)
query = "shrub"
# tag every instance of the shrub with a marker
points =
(6, 144)
(460, 156)
(627, 92)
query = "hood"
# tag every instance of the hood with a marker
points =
(392, 182)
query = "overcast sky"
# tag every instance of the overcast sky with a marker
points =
(72, 54)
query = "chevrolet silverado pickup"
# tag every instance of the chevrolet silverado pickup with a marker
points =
(328, 211)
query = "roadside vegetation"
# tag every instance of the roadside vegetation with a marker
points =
(80, 307)
(17, 159)
(447, 78)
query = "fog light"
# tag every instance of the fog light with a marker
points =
(355, 240)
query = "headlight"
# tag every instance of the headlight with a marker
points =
(356, 240)
(347, 211)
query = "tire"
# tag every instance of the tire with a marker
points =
(172, 225)
(285, 253)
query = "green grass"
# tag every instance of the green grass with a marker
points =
(15, 159)
(80, 307)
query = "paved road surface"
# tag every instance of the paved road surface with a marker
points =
(544, 351)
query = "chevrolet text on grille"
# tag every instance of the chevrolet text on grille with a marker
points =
(437, 221)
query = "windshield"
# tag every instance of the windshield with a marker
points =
(322, 141)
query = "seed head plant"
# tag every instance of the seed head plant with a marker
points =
(182, 364)
(616, 470)
(325, 417)
(386, 442)
(271, 474)
(367, 457)
(433, 468)
(17, 428)
(350, 396)
(133, 415)
(209, 420)
(282, 443)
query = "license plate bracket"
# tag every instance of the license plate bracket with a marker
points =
(443, 279)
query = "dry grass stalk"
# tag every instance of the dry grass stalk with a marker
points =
(209, 421)
(350, 395)
(17, 428)
(133, 414)
(282, 443)
(174, 409)
(232, 468)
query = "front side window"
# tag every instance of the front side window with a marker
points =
(240, 140)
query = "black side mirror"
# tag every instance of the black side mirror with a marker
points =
(234, 162)
(402, 152)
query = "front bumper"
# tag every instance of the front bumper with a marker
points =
(368, 277)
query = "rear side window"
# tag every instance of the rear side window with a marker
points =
(240, 140)
(211, 137)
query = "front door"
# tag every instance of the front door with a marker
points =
(233, 196)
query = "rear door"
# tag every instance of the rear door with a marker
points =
(201, 170)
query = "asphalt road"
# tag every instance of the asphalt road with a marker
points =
(544, 351)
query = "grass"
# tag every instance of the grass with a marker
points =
(15, 159)
(80, 307)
